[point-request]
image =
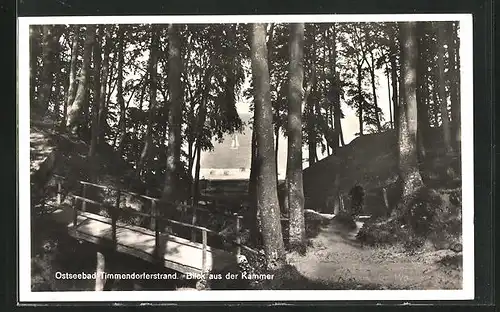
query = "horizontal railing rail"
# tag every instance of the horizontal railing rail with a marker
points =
(80, 201)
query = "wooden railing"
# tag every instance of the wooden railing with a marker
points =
(80, 202)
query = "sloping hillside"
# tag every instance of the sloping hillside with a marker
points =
(55, 152)
(372, 162)
(369, 160)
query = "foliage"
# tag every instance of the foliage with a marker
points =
(430, 215)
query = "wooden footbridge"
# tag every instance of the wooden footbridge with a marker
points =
(156, 245)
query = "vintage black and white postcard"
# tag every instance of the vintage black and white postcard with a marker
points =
(246, 158)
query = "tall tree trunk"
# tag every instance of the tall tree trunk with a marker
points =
(112, 83)
(252, 189)
(445, 121)
(80, 101)
(50, 41)
(153, 66)
(360, 100)
(172, 169)
(119, 92)
(97, 93)
(341, 133)
(138, 129)
(202, 116)
(329, 127)
(336, 87)
(104, 83)
(72, 75)
(56, 97)
(391, 122)
(394, 82)
(408, 120)
(65, 82)
(270, 46)
(312, 104)
(374, 91)
(454, 78)
(267, 194)
(422, 108)
(295, 187)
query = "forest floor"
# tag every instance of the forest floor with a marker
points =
(336, 259)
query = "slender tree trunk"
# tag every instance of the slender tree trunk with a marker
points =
(57, 84)
(172, 169)
(196, 183)
(391, 122)
(408, 159)
(104, 80)
(295, 187)
(422, 108)
(202, 115)
(394, 82)
(374, 91)
(401, 81)
(119, 92)
(341, 137)
(153, 66)
(329, 127)
(72, 75)
(97, 93)
(267, 194)
(445, 121)
(49, 44)
(312, 104)
(360, 100)
(270, 46)
(195, 191)
(80, 101)
(336, 86)
(62, 124)
(112, 83)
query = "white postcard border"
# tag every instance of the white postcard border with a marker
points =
(466, 78)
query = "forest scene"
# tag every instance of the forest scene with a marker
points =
(351, 132)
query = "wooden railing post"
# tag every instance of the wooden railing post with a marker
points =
(238, 234)
(341, 200)
(75, 211)
(100, 270)
(156, 217)
(84, 192)
(204, 251)
(386, 200)
(59, 191)
(114, 216)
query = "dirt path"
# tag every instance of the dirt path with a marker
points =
(335, 256)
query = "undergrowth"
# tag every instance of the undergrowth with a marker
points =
(430, 215)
